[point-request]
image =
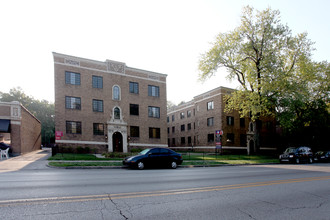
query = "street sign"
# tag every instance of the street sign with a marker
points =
(218, 134)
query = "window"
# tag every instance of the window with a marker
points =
(73, 127)
(210, 121)
(189, 140)
(97, 82)
(116, 93)
(116, 113)
(72, 102)
(188, 114)
(134, 87)
(183, 127)
(173, 129)
(72, 78)
(133, 109)
(135, 131)
(173, 142)
(183, 140)
(210, 105)
(173, 117)
(243, 140)
(97, 105)
(242, 122)
(230, 120)
(153, 91)
(182, 115)
(154, 133)
(230, 138)
(189, 126)
(98, 129)
(153, 112)
(210, 138)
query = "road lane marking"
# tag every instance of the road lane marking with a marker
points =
(68, 199)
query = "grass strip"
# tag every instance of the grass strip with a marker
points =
(84, 164)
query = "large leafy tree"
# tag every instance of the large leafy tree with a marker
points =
(43, 110)
(273, 67)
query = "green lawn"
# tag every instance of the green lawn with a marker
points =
(70, 156)
(84, 164)
(198, 159)
(201, 156)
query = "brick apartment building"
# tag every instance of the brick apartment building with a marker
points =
(19, 128)
(108, 106)
(194, 124)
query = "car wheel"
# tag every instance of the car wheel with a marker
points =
(310, 160)
(140, 165)
(174, 165)
(297, 161)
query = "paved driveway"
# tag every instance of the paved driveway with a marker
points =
(33, 160)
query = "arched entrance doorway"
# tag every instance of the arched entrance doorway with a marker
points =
(117, 142)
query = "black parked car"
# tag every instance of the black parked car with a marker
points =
(297, 155)
(155, 157)
(322, 156)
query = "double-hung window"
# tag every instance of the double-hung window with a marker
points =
(134, 87)
(73, 127)
(134, 109)
(97, 82)
(210, 105)
(98, 129)
(72, 78)
(153, 91)
(154, 112)
(230, 120)
(135, 131)
(72, 102)
(154, 133)
(97, 105)
(210, 122)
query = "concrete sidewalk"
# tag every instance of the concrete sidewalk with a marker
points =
(29, 161)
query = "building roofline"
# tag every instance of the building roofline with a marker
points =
(212, 90)
(193, 101)
(55, 54)
(13, 103)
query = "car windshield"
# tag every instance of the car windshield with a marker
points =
(290, 150)
(144, 151)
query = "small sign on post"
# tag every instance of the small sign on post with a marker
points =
(218, 144)
(58, 135)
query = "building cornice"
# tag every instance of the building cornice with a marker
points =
(75, 62)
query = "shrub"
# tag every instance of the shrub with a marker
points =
(80, 150)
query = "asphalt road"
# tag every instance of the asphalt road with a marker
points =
(229, 192)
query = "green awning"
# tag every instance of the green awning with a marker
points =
(4, 125)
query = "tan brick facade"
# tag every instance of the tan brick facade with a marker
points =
(24, 134)
(117, 131)
(195, 123)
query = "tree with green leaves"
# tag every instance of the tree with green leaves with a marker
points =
(42, 110)
(273, 67)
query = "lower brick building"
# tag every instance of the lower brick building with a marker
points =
(195, 124)
(19, 128)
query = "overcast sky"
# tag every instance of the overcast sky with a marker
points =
(161, 36)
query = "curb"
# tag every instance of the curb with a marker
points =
(125, 167)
